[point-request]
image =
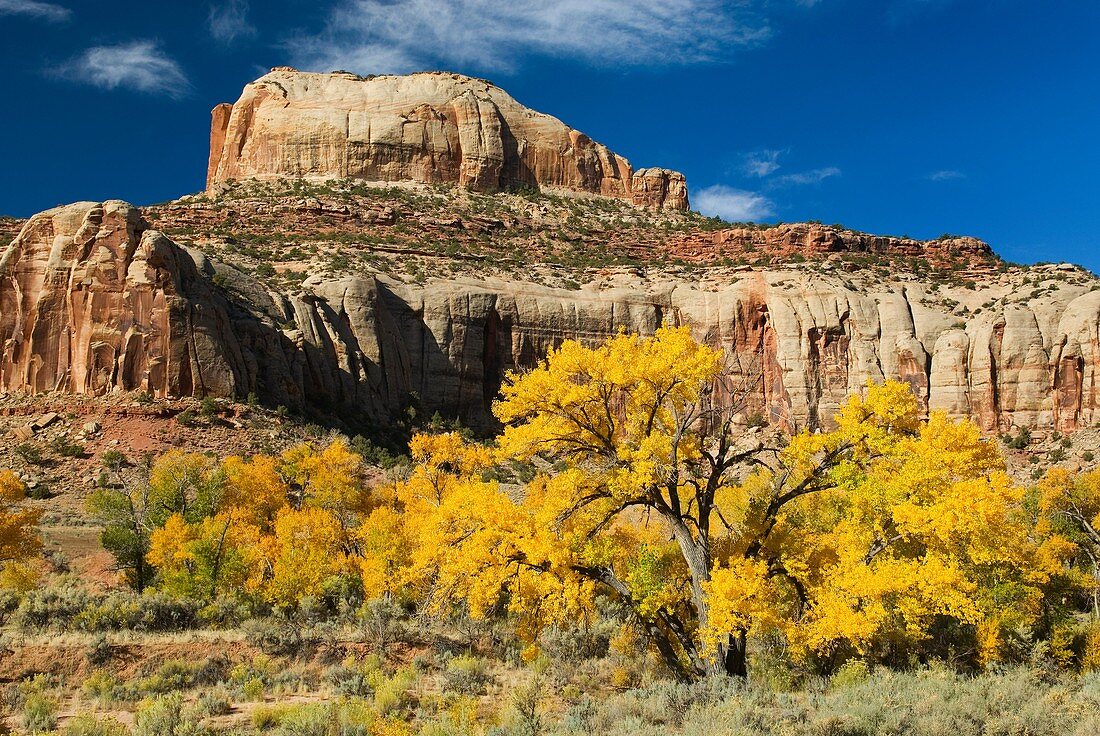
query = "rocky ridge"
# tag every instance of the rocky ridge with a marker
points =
(93, 300)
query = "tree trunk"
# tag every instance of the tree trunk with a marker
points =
(733, 658)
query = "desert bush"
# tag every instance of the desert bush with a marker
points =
(39, 713)
(349, 679)
(215, 701)
(64, 448)
(570, 645)
(391, 694)
(98, 652)
(50, 607)
(527, 717)
(931, 702)
(853, 672)
(347, 718)
(225, 613)
(165, 716)
(103, 687)
(1020, 441)
(265, 717)
(253, 689)
(467, 675)
(30, 453)
(276, 635)
(381, 623)
(89, 725)
(176, 675)
(147, 612)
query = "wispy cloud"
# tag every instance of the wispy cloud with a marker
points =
(35, 9)
(139, 65)
(378, 36)
(732, 205)
(228, 21)
(761, 163)
(802, 178)
(946, 175)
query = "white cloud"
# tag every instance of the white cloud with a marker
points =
(813, 176)
(732, 205)
(762, 163)
(228, 21)
(35, 9)
(946, 175)
(380, 36)
(139, 65)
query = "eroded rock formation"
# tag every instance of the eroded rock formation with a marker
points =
(430, 127)
(92, 300)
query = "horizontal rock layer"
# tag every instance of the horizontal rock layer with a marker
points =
(92, 300)
(430, 128)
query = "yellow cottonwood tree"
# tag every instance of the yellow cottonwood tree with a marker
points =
(19, 539)
(854, 541)
(275, 527)
(1070, 507)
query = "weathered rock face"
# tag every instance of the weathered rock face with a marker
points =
(430, 128)
(805, 344)
(92, 300)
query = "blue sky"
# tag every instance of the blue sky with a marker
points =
(913, 117)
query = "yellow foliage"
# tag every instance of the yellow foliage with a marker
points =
(306, 551)
(330, 479)
(19, 539)
(277, 527)
(860, 536)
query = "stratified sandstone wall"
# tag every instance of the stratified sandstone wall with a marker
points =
(91, 300)
(431, 128)
(806, 343)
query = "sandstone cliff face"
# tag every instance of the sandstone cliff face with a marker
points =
(430, 128)
(92, 300)
(805, 344)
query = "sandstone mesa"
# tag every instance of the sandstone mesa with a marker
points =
(432, 127)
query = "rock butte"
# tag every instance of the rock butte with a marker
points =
(92, 300)
(432, 127)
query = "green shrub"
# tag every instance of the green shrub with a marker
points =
(391, 694)
(467, 675)
(39, 713)
(148, 612)
(88, 725)
(853, 672)
(52, 607)
(268, 716)
(306, 720)
(253, 689)
(164, 716)
(275, 635)
(381, 623)
(30, 453)
(102, 687)
(64, 448)
(215, 702)
(177, 675)
(1021, 441)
